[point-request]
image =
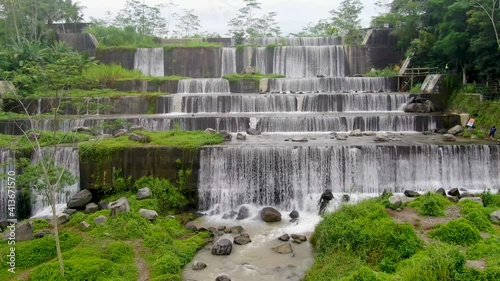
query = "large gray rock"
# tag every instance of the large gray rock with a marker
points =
(143, 193)
(369, 133)
(243, 213)
(236, 229)
(226, 135)
(136, 128)
(300, 237)
(100, 220)
(419, 105)
(269, 214)
(223, 277)
(120, 133)
(253, 132)
(294, 214)
(341, 137)
(80, 200)
(240, 136)
(197, 265)
(454, 192)
(222, 247)
(91, 208)
(411, 193)
(283, 249)
(21, 232)
(441, 191)
(355, 133)
(119, 206)
(242, 239)
(149, 214)
(284, 237)
(139, 138)
(455, 130)
(61, 218)
(381, 137)
(495, 216)
(448, 137)
(395, 200)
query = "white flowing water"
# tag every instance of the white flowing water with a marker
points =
(331, 84)
(149, 61)
(298, 41)
(228, 61)
(203, 85)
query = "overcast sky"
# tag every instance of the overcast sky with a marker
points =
(214, 14)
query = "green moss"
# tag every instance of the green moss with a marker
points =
(457, 232)
(45, 139)
(236, 77)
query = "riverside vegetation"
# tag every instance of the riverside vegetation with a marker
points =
(370, 241)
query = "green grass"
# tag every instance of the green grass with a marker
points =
(235, 77)
(191, 44)
(430, 204)
(386, 72)
(46, 138)
(78, 93)
(457, 232)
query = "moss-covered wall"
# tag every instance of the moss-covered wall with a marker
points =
(164, 162)
(120, 56)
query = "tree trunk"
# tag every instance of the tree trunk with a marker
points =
(56, 228)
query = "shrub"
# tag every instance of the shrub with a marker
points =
(362, 274)
(430, 204)
(170, 198)
(77, 269)
(458, 232)
(438, 262)
(168, 263)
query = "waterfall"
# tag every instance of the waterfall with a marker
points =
(219, 123)
(309, 61)
(348, 123)
(203, 85)
(149, 61)
(291, 177)
(7, 163)
(66, 157)
(354, 102)
(228, 61)
(297, 41)
(261, 60)
(331, 84)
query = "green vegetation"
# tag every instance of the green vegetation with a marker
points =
(191, 44)
(235, 77)
(77, 93)
(46, 138)
(459, 232)
(416, 88)
(386, 72)
(430, 204)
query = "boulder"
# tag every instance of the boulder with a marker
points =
(69, 211)
(42, 233)
(81, 129)
(448, 138)
(149, 214)
(190, 225)
(285, 248)
(341, 137)
(91, 208)
(300, 237)
(247, 70)
(243, 213)
(80, 199)
(236, 229)
(222, 247)
(136, 128)
(475, 199)
(381, 137)
(355, 133)
(103, 205)
(294, 214)
(411, 193)
(442, 131)
(419, 105)
(369, 133)
(346, 198)
(253, 132)
(19, 232)
(300, 140)
(285, 237)
(210, 130)
(455, 130)
(269, 214)
(441, 191)
(100, 220)
(143, 193)
(197, 265)
(4, 224)
(119, 206)
(327, 195)
(242, 240)
(240, 136)
(386, 194)
(454, 192)
(495, 216)
(61, 218)
(120, 133)
(226, 135)
(139, 138)
(84, 224)
(395, 200)
(221, 228)
(223, 277)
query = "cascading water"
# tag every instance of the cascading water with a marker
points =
(354, 102)
(293, 177)
(297, 41)
(331, 84)
(203, 85)
(149, 61)
(261, 60)
(67, 158)
(310, 61)
(228, 61)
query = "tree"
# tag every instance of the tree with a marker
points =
(188, 24)
(247, 24)
(146, 20)
(346, 22)
(59, 70)
(491, 8)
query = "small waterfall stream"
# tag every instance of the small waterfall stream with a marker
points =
(228, 61)
(203, 85)
(149, 61)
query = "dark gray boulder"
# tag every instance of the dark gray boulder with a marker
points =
(441, 191)
(139, 138)
(80, 199)
(411, 193)
(223, 277)
(91, 208)
(226, 135)
(294, 214)
(253, 132)
(242, 239)
(222, 247)
(143, 193)
(269, 214)
(243, 213)
(119, 206)
(454, 192)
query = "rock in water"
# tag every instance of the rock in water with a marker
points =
(269, 214)
(222, 247)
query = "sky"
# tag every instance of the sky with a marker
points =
(214, 14)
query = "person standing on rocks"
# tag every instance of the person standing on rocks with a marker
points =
(491, 136)
(326, 197)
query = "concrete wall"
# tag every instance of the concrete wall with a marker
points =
(193, 62)
(80, 42)
(120, 56)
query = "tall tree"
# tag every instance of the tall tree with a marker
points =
(346, 19)
(188, 24)
(248, 23)
(146, 20)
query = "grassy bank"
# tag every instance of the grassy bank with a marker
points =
(366, 242)
(46, 138)
(235, 77)
(123, 248)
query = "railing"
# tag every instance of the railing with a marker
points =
(420, 71)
